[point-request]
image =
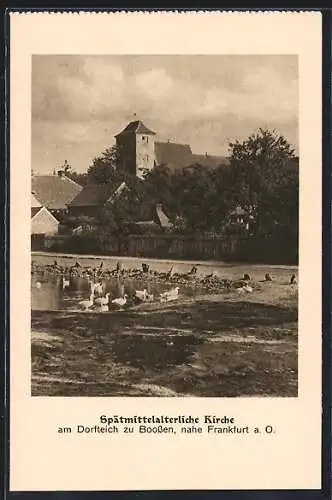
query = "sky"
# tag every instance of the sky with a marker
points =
(80, 102)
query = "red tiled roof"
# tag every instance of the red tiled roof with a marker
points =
(54, 192)
(136, 127)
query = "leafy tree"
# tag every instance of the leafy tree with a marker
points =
(194, 202)
(263, 178)
(130, 206)
(104, 168)
(158, 185)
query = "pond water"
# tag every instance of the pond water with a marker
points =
(51, 296)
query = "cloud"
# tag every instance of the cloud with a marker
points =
(81, 102)
(100, 88)
(270, 92)
(93, 91)
(154, 84)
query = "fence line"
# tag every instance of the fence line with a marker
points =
(185, 247)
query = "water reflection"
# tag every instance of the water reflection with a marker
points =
(50, 294)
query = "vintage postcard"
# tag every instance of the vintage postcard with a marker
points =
(165, 267)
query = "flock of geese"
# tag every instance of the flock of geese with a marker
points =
(102, 301)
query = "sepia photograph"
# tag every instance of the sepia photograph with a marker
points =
(164, 225)
(166, 251)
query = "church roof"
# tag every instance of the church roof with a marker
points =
(136, 127)
(173, 155)
(177, 156)
(210, 161)
(53, 191)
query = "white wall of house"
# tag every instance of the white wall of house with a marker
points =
(44, 223)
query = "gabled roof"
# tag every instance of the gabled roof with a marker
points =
(95, 195)
(162, 217)
(136, 127)
(38, 210)
(54, 191)
(173, 155)
(210, 161)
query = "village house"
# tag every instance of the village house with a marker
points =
(55, 192)
(42, 221)
(89, 202)
(92, 198)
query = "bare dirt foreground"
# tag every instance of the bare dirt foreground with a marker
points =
(223, 345)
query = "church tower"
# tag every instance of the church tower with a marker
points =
(136, 148)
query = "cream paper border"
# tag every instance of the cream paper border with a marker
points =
(40, 459)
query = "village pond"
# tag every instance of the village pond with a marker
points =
(210, 346)
(203, 344)
(48, 294)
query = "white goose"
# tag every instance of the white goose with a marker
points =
(103, 301)
(103, 308)
(245, 289)
(141, 294)
(170, 295)
(120, 301)
(96, 288)
(65, 283)
(86, 304)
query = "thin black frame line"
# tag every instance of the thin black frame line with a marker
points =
(326, 266)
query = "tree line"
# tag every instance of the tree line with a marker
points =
(256, 192)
